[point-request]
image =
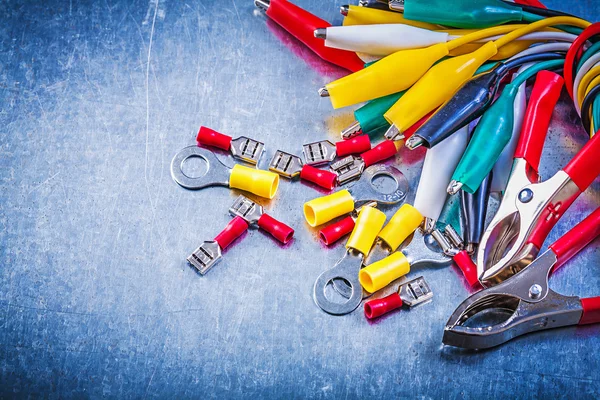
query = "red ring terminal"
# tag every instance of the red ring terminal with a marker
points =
(209, 137)
(325, 179)
(334, 232)
(378, 307)
(468, 268)
(277, 229)
(382, 151)
(232, 231)
(356, 145)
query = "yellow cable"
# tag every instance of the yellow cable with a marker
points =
(588, 82)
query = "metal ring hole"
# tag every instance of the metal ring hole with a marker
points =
(333, 295)
(194, 166)
(384, 183)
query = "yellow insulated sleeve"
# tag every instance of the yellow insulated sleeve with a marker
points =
(437, 86)
(391, 74)
(261, 183)
(324, 209)
(402, 224)
(371, 16)
(368, 224)
(380, 274)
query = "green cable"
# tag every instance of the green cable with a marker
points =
(596, 113)
(587, 54)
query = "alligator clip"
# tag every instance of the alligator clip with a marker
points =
(254, 214)
(369, 222)
(289, 166)
(351, 167)
(261, 183)
(242, 148)
(323, 152)
(529, 208)
(524, 300)
(209, 253)
(324, 209)
(410, 294)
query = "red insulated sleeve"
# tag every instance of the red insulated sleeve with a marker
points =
(576, 239)
(468, 267)
(278, 230)
(378, 307)
(325, 179)
(209, 137)
(591, 311)
(382, 151)
(232, 231)
(356, 145)
(302, 24)
(544, 95)
(334, 232)
(584, 167)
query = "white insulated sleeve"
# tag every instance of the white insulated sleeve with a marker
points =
(438, 167)
(383, 39)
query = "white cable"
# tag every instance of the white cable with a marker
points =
(543, 48)
(503, 166)
(438, 167)
(382, 39)
(585, 68)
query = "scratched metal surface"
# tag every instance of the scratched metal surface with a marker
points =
(96, 298)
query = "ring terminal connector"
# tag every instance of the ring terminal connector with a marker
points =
(242, 148)
(290, 166)
(411, 294)
(254, 214)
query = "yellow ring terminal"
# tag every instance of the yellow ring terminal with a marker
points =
(324, 209)
(437, 86)
(380, 274)
(372, 16)
(368, 224)
(402, 224)
(391, 74)
(261, 183)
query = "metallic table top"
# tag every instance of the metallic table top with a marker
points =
(96, 298)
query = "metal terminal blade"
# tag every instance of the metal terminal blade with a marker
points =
(425, 250)
(454, 237)
(414, 141)
(428, 225)
(323, 92)
(397, 5)
(415, 292)
(205, 257)
(454, 187)
(344, 10)
(393, 133)
(217, 174)
(262, 4)
(348, 169)
(246, 149)
(351, 131)
(319, 152)
(249, 210)
(286, 164)
(321, 33)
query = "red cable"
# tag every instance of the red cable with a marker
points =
(574, 54)
(533, 3)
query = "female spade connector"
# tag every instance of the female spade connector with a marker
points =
(495, 127)
(302, 24)
(411, 293)
(469, 103)
(242, 148)
(290, 166)
(323, 152)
